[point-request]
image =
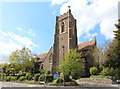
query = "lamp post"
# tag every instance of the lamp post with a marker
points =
(63, 70)
(45, 76)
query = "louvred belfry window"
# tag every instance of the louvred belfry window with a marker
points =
(63, 27)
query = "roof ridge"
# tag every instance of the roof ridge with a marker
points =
(86, 42)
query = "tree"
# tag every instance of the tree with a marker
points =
(22, 58)
(72, 63)
(94, 55)
(109, 55)
(117, 39)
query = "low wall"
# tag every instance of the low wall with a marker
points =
(97, 80)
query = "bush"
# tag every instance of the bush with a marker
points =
(49, 78)
(36, 77)
(67, 79)
(18, 76)
(112, 72)
(8, 78)
(29, 76)
(14, 78)
(93, 70)
(42, 77)
(23, 74)
(58, 80)
(101, 76)
(2, 76)
(22, 78)
(106, 71)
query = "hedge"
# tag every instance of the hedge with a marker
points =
(22, 78)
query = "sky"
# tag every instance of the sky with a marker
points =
(31, 24)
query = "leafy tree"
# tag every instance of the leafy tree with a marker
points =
(117, 47)
(72, 63)
(22, 58)
(36, 65)
(94, 55)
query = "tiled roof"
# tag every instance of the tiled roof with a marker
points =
(86, 45)
(42, 56)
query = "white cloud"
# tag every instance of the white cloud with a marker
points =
(9, 42)
(53, 12)
(6, 44)
(103, 12)
(31, 33)
(23, 40)
(91, 36)
(20, 29)
(58, 1)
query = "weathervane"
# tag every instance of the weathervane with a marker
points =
(69, 6)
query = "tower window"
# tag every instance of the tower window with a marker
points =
(50, 58)
(63, 27)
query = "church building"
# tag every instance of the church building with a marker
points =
(65, 38)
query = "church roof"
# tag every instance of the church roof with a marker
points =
(42, 56)
(81, 47)
(86, 45)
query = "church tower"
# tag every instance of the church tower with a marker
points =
(65, 37)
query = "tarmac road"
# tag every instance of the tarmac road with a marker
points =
(11, 85)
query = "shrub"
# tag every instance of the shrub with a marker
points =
(93, 70)
(2, 76)
(112, 72)
(49, 78)
(18, 76)
(14, 78)
(101, 76)
(105, 71)
(22, 78)
(29, 76)
(58, 80)
(8, 78)
(42, 77)
(23, 74)
(67, 79)
(36, 77)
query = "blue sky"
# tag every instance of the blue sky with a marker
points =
(32, 24)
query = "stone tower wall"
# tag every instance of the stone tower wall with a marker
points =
(68, 38)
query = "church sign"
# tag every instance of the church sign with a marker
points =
(56, 75)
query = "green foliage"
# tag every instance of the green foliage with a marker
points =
(22, 78)
(23, 74)
(42, 77)
(72, 63)
(100, 76)
(18, 76)
(93, 70)
(94, 55)
(29, 76)
(36, 77)
(22, 59)
(8, 78)
(13, 78)
(58, 80)
(3, 76)
(49, 78)
(105, 71)
(108, 71)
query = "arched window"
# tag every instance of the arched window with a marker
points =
(50, 58)
(62, 27)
